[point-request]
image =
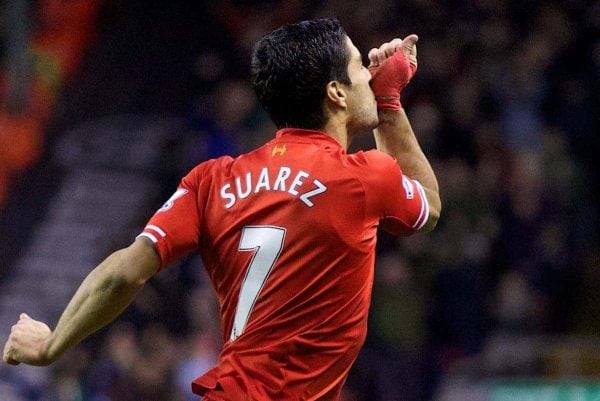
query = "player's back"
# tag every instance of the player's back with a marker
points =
(289, 248)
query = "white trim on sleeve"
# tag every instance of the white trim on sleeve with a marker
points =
(424, 214)
(156, 229)
(149, 236)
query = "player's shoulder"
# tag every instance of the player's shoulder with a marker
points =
(373, 159)
(208, 167)
(219, 163)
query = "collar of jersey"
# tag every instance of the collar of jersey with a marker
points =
(306, 136)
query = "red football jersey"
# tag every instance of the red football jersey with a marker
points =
(287, 234)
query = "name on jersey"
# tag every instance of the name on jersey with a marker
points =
(299, 185)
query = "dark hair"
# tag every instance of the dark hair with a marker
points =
(291, 67)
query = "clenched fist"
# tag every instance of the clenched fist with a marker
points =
(27, 343)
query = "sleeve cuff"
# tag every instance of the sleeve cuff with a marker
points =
(424, 214)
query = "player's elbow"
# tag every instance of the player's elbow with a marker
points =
(125, 269)
(112, 273)
(138, 263)
(435, 208)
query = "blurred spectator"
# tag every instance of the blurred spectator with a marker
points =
(202, 358)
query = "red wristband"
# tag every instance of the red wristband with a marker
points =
(389, 78)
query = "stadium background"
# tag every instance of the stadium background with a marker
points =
(106, 104)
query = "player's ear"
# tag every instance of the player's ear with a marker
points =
(336, 94)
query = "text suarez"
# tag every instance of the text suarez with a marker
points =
(302, 185)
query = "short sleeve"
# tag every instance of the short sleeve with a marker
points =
(398, 200)
(175, 227)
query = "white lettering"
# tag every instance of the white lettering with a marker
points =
(244, 186)
(319, 190)
(297, 182)
(238, 184)
(284, 174)
(263, 181)
(227, 195)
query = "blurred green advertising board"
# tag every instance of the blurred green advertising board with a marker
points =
(544, 391)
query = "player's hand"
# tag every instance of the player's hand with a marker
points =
(392, 66)
(26, 343)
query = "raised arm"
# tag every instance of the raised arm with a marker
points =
(392, 66)
(101, 297)
(395, 137)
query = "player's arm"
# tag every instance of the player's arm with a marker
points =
(394, 135)
(101, 297)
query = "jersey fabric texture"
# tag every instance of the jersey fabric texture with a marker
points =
(287, 234)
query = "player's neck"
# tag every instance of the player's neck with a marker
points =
(338, 132)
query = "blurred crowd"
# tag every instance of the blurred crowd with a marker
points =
(38, 60)
(505, 105)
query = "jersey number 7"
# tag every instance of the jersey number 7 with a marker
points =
(266, 242)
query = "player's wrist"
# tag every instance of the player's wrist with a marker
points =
(387, 94)
(388, 103)
(48, 352)
(389, 117)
